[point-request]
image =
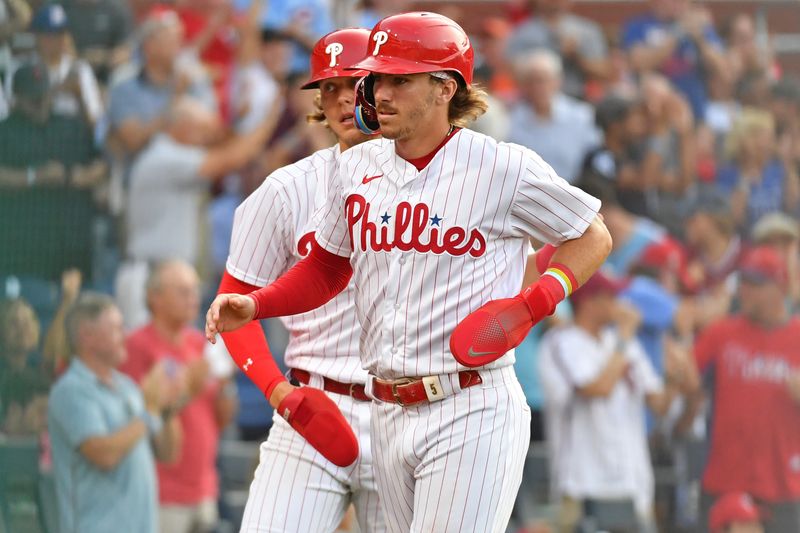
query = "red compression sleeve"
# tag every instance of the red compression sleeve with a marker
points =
(312, 282)
(248, 346)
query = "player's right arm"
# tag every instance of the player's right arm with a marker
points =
(260, 251)
(259, 241)
(308, 285)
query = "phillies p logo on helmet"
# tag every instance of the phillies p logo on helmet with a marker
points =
(334, 50)
(380, 39)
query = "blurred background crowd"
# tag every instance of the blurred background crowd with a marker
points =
(131, 129)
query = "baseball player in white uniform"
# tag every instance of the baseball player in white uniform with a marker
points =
(295, 488)
(433, 226)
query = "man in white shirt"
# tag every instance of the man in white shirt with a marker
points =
(558, 127)
(597, 381)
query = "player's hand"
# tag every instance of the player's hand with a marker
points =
(490, 331)
(227, 313)
(314, 416)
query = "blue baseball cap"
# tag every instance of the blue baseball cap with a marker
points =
(50, 18)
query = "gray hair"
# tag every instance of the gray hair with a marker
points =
(87, 308)
(538, 57)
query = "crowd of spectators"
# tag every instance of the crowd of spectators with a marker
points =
(665, 394)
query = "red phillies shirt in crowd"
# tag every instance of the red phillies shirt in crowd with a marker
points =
(755, 440)
(193, 477)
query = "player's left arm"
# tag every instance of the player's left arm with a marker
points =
(545, 208)
(584, 255)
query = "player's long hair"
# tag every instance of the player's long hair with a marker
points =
(467, 104)
(317, 116)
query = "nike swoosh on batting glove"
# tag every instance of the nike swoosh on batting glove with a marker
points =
(496, 327)
(317, 418)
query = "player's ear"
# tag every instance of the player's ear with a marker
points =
(446, 90)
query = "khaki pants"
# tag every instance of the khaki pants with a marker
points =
(199, 518)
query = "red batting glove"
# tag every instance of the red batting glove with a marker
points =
(496, 327)
(314, 416)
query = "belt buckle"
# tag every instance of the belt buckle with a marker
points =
(395, 394)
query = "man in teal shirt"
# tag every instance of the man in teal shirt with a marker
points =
(104, 430)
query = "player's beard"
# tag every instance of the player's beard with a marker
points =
(415, 117)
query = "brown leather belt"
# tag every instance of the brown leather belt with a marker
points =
(411, 391)
(354, 390)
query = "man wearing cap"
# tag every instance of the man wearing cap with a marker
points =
(754, 360)
(736, 512)
(782, 233)
(597, 381)
(73, 87)
(48, 167)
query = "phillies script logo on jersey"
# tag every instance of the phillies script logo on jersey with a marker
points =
(304, 244)
(414, 229)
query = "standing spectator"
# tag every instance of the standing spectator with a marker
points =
(101, 30)
(48, 168)
(746, 51)
(578, 41)
(782, 233)
(558, 127)
(715, 249)
(759, 178)
(254, 86)
(597, 382)
(678, 40)
(138, 105)
(102, 426)
(167, 183)
(754, 361)
(73, 88)
(619, 158)
(669, 163)
(188, 489)
(23, 381)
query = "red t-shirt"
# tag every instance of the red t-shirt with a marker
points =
(755, 439)
(193, 478)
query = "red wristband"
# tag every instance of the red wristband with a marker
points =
(542, 297)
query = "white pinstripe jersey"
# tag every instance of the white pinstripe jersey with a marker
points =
(272, 231)
(429, 247)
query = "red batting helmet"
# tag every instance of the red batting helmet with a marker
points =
(335, 53)
(413, 43)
